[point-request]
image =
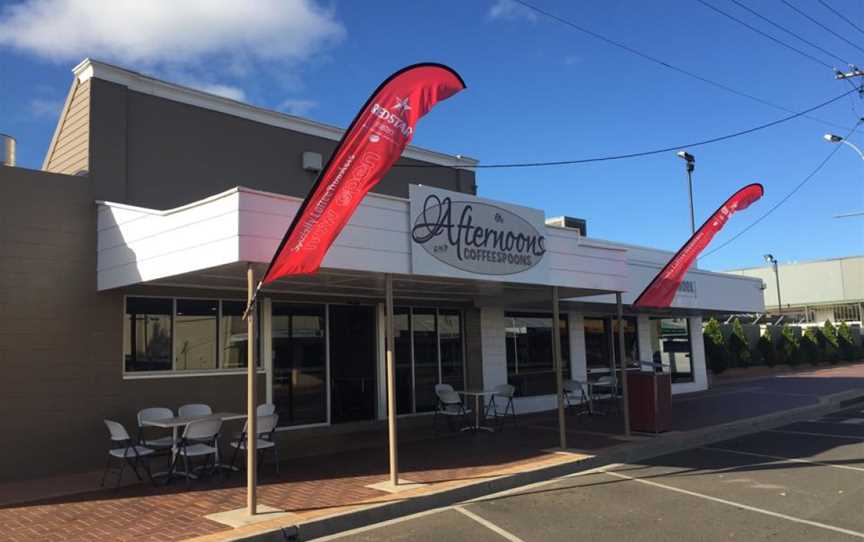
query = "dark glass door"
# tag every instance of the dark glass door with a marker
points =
(299, 364)
(352, 363)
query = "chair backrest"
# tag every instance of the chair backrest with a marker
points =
(265, 410)
(266, 424)
(194, 409)
(202, 429)
(504, 390)
(572, 386)
(448, 397)
(443, 387)
(154, 413)
(118, 432)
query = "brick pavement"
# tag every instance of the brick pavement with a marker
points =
(321, 484)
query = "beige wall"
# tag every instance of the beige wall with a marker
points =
(70, 148)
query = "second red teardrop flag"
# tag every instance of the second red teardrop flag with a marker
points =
(661, 291)
(369, 148)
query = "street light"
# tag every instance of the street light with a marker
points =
(771, 260)
(691, 165)
(833, 138)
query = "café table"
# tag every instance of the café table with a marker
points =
(477, 394)
(182, 421)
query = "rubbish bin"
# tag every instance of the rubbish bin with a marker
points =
(649, 394)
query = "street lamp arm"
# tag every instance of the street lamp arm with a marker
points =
(860, 154)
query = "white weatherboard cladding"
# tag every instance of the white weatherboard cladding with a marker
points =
(242, 225)
(444, 224)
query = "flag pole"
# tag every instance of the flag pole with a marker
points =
(391, 383)
(559, 375)
(251, 397)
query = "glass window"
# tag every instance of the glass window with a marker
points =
(529, 352)
(404, 378)
(299, 364)
(147, 334)
(233, 336)
(425, 328)
(195, 329)
(450, 331)
(670, 342)
(597, 343)
(631, 340)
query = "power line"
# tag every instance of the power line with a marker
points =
(837, 13)
(790, 32)
(814, 21)
(644, 153)
(666, 64)
(784, 199)
(766, 35)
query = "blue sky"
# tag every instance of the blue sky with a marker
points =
(537, 90)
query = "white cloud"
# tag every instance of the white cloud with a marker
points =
(301, 108)
(45, 107)
(226, 91)
(169, 31)
(508, 10)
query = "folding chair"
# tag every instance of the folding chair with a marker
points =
(194, 409)
(199, 440)
(154, 413)
(125, 449)
(503, 393)
(574, 395)
(266, 426)
(449, 404)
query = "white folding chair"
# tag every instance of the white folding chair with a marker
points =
(265, 410)
(574, 394)
(266, 426)
(125, 449)
(194, 409)
(153, 414)
(605, 385)
(449, 404)
(502, 393)
(199, 440)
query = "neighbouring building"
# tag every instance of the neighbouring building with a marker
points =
(813, 291)
(123, 268)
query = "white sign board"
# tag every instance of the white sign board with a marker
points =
(460, 235)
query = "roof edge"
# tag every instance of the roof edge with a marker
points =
(145, 84)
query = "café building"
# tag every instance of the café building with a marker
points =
(125, 265)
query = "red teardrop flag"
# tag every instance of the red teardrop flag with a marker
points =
(369, 148)
(662, 289)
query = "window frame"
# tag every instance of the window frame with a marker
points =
(566, 361)
(174, 372)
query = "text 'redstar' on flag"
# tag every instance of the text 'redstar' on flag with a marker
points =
(662, 289)
(371, 145)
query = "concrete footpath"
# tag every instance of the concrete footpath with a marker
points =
(729, 410)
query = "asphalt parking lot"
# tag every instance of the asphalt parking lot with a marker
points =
(803, 481)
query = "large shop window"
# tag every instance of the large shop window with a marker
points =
(183, 335)
(601, 340)
(299, 363)
(670, 342)
(530, 365)
(429, 350)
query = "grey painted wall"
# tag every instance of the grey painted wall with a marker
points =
(157, 153)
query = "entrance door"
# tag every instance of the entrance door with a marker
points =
(352, 362)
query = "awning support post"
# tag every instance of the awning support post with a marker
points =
(391, 383)
(559, 373)
(251, 398)
(622, 360)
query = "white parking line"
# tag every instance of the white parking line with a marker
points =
(785, 459)
(739, 505)
(394, 521)
(812, 434)
(489, 525)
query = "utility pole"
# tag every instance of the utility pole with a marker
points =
(691, 165)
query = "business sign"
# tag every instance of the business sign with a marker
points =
(459, 235)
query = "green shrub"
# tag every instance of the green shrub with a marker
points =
(791, 346)
(738, 346)
(846, 342)
(715, 347)
(766, 349)
(811, 352)
(832, 352)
